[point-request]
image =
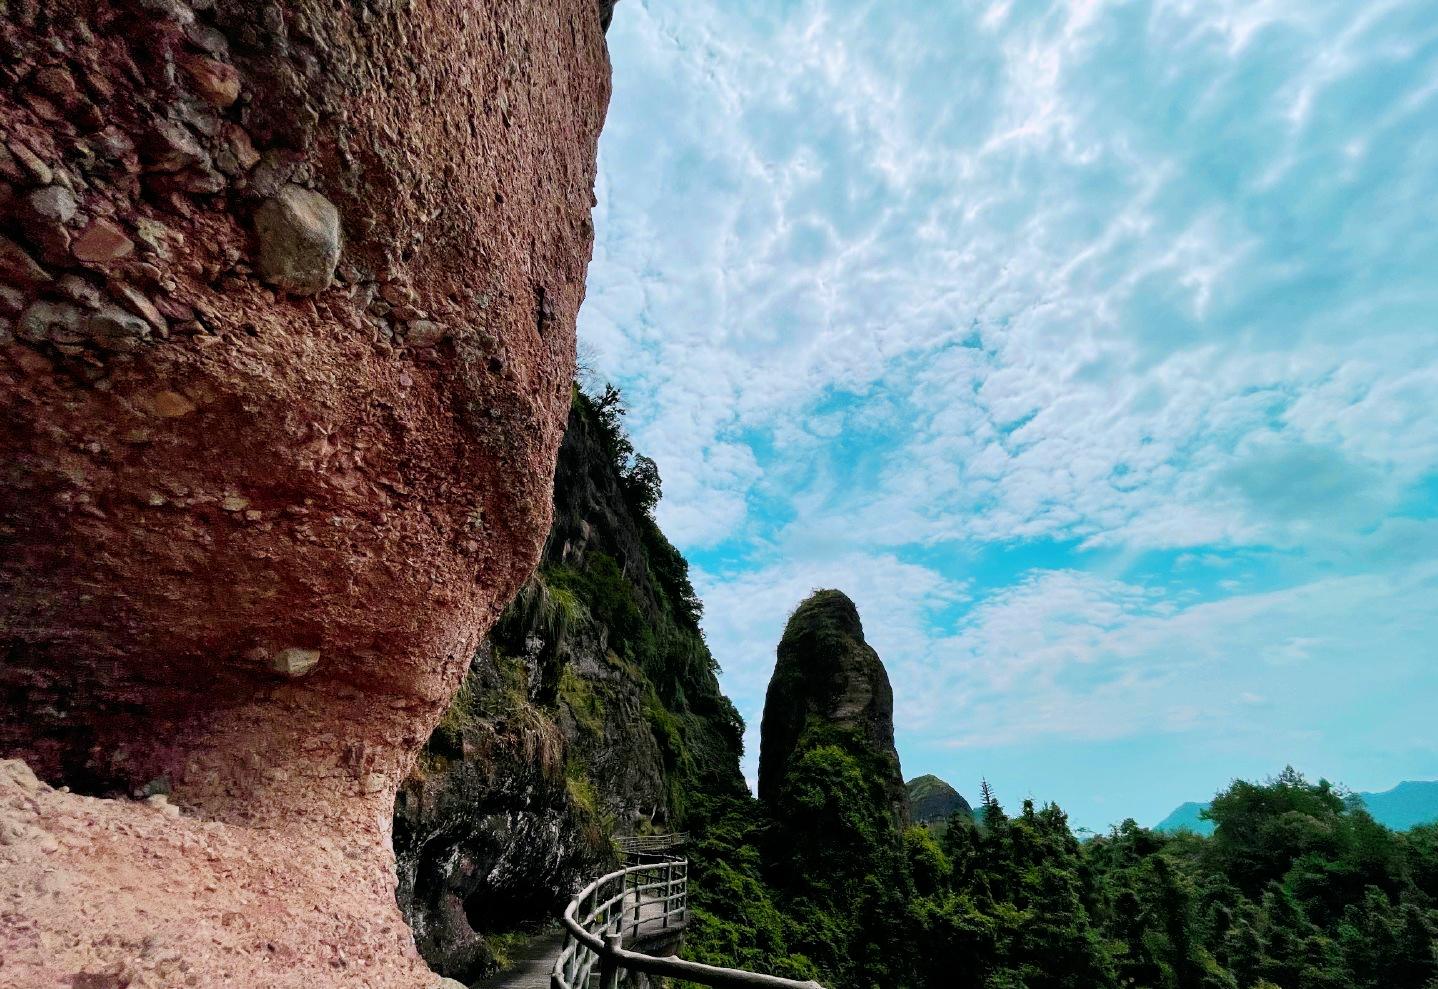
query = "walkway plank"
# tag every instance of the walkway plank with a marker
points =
(532, 964)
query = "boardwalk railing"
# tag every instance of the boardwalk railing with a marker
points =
(649, 844)
(636, 903)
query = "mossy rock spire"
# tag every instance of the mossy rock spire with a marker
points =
(829, 684)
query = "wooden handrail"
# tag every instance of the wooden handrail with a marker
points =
(639, 843)
(599, 939)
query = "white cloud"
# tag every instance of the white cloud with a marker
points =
(899, 281)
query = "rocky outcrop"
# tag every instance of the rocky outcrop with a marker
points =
(833, 847)
(828, 682)
(592, 708)
(931, 802)
(287, 296)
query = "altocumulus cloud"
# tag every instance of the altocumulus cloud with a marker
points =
(1092, 346)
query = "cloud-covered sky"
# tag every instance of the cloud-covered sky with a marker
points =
(1090, 345)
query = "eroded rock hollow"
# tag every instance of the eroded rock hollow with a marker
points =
(287, 303)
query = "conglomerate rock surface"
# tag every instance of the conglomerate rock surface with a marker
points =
(287, 298)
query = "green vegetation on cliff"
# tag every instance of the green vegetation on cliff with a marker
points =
(592, 708)
(932, 802)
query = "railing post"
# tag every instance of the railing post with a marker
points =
(609, 963)
(668, 889)
(639, 900)
(684, 894)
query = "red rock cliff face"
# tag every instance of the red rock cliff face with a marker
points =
(287, 301)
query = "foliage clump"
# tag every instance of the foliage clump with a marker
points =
(1297, 888)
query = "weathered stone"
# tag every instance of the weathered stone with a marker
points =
(170, 148)
(170, 404)
(423, 333)
(79, 291)
(206, 38)
(7, 331)
(202, 181)
(136, 301)
(12, 300)
(295, 662)
(216, 81)
(114, 144)
(38, 170)
(102, 242)
(398, 293)
(154, 235)
(10, 168)
(41, 320)
(275, 169)
(299, 233)
(52, 203)
(18, 268)
(112, 328)
(122, 618)
(239, 154)
(43, 215)
(58, 84)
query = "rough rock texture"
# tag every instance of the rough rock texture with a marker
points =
(249, 541)
(932, 802)
(581, 717)
(828, 677)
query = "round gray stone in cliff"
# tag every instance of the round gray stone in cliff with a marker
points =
(299, 233)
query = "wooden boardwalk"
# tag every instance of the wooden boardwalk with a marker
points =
(533, 964)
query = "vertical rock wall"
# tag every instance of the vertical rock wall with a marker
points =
(287, 302)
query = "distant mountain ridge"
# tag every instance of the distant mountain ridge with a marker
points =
(1407, 805)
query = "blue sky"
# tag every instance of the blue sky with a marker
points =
(1091, 347)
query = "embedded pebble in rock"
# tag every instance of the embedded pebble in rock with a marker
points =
(155, 236)
(137, 303)
(38, 170)
(43, 215)
(43, 321)
(295, 662)
(12, 301)
(79, 291)
(18, 268)
(53, 203)
(299, 233)
(423, 333)
(102, 242)
(112, 328)
(171, 405)
(169, 147)
(217, 82)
